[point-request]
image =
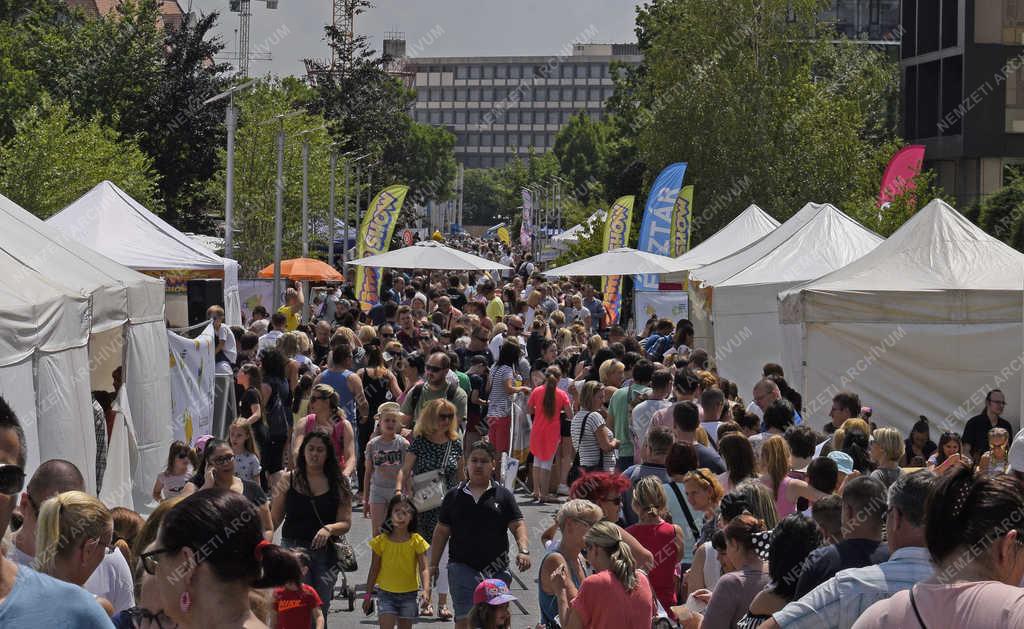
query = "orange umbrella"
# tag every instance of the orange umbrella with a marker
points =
(304, 269)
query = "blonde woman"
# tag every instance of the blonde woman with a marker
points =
(564, 564)
(663, 539)
(74, 532)
(886, 449)
(328, 418)
(775, 461)
(612, 373)
(591, 437)
(288, 345)
(617, 594)
(435, 446)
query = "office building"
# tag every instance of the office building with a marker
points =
(499, 107)
(963, 91)
(870, 20)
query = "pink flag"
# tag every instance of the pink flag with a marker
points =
(526, 229)
(899, 174)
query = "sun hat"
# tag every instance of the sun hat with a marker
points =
(492, 592)
(843, 461)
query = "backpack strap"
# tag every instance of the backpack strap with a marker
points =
(416, 394)
(449, 394)
(685, 509)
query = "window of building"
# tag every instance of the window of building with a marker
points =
(486, 139)
(594, 94)
(474, 93)
(435, 117)
(595, 70)
(460, 116)
(501, 72)
(526, 116)
(539, 140)
(565, 71)
(474, 116)
(515, 71)
(581, 94)
(567, 94)
(448, 94)
(554, 117)
(460, 138)
(448, 116)
(474, 72)
(950, 28)
(488, 94)
(500, 139)
(512, 116)
(461, 94)
(540, 94)
(462, 72)
(474, 139)
(581, 71)
(488, 72)
(1015, 101)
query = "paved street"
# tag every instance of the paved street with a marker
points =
(525, 615)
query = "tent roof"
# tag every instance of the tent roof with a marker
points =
(106, 219)
(829, 241)
(751, 225)
(117, 292)
(937, 249)
(716, 272)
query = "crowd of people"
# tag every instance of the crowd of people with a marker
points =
(679, 503)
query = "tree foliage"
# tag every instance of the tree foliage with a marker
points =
(758, 93)
(1002, 214)
(256, 173)
(54, 158)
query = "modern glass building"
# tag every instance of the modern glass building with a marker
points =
(499, 107)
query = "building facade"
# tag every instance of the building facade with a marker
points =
(501, 107)
(871, 20)
(963, 91)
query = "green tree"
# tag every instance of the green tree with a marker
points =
(426, 163)
(481, 197)
(53, 159)
(1002, 214)
(256, 173)
(759, 93)
(583, 150)
(885, 221)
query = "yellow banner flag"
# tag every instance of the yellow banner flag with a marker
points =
(616, 234)
(682, 222)
(504, 236)
(375, 237)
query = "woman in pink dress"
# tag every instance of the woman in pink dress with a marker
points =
(546, 405)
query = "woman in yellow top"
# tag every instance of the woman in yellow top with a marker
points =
(399, 567)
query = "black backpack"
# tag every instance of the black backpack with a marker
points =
(277, 416)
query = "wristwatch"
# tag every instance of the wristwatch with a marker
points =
(524, 552)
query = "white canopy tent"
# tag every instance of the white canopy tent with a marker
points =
(430, 254)
(574, 233)
(817, 240)
(751, 225)
(926, 324)
(107, 220)
(125, 327)
(620, 261)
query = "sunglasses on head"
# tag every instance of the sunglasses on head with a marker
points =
(12, 479)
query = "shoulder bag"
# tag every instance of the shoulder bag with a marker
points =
(428, 488)
(344, 555)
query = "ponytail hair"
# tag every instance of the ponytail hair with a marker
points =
(623, 565)
(965, 512)
(551, 377)
(649, 496)
(197, 522)
(65, 520)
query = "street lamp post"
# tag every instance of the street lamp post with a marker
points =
(278, 216)
(231, 122)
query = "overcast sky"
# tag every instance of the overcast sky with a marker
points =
(471, 28)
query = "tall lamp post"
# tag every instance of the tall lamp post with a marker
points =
(349, 163)
(231, 122)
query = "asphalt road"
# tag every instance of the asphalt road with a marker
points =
(525, 615)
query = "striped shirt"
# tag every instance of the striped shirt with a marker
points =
(590, 452)
(839, 601)
(498, 399)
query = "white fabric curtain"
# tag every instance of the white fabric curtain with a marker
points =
(18, 389)
(149, 399)
(232, 302)
(64, 411)
(122, 453)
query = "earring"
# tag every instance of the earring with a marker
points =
(185, 602)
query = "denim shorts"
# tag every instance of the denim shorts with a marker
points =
(462, 580)
(403, 605)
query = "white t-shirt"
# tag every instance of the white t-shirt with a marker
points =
(112, 579)
(640, 421)
(269, 340)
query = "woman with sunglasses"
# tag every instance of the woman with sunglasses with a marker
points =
(312, 503)
(563, 569)
(435, 446)
(217, 471)
(74, 532)
(327, 418)
(203, 577)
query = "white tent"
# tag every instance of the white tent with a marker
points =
(430, 254)
(625, 260)
(125, 327)
(817, 240)
(575, 232)
(106, 219)
(751, 225)
(925, 324)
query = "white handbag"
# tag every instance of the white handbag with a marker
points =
(428, 488)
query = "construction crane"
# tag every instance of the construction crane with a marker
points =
(343, 13)
(243, 55)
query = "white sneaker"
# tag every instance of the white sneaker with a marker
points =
(563, 490)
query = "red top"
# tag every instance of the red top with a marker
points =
(546, 431)
(660, 539)
(295, 607)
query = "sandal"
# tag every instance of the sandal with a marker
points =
(426, 609)
(444, 613)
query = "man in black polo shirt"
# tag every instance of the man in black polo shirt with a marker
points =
(975, 437)
(476, 516)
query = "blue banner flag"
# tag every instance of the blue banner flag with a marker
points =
(656, 228)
